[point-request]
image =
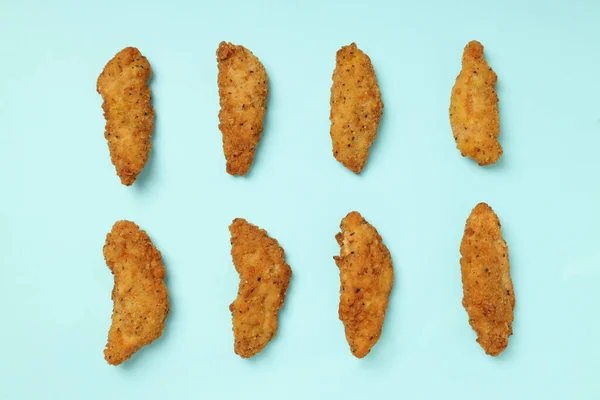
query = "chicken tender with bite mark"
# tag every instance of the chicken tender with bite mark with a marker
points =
(243, 89)
(140, 296)
(366, 276)
(474, 114)
(264, 280)
(123, 85)
(356, 107)
(488, 297)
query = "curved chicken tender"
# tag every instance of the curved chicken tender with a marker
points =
(123, 85)
(356, 107)
(140, 295)
(488, 290)
(264, 279)
(366, 276)
(474, 113)
(243, 89)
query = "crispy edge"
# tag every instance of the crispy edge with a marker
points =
(123, 85)
(243, 90)
(366, 279)
(488, 295)
(140, 295)
(264, 280)
(474, 115)
(356, 107)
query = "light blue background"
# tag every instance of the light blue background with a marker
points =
(60, 196)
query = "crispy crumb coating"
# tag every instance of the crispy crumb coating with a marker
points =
(123, 85)
(489, 297)
(366, 278)
(264, 279)
(243, 89)
(356, 107)
(474, 113)
(140, 295)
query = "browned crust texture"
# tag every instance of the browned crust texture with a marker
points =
(264, 280)
(123, 85)
(489, 297)
(366, 278)
(243, 89)
(474, 113)
(356, 107)
(140, 296)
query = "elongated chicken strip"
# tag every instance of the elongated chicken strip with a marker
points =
(356, 107)
(264, 279)
(140, 296)
(474, 113)
(488, 290)
(366, 276)
(243, 89)
(123, 85)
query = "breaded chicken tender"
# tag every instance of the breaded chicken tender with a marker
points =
(366, 276)
(474, 113)
(264, 279)
(356, 107)
(243, 89)
(488, 290)
(140, 295)
(123, 85)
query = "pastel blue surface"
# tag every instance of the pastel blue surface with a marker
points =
(60, 196)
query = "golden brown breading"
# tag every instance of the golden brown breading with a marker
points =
(488, 290)
(140, 296)
(123, 85)
(474, 113)
(356, 107)
(366, 278)
(243, 89)
(264, 279)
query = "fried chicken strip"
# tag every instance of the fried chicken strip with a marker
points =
(123, 85)
(243, 89)
(366, 278)
(489, 297)
(264, 279)
(474, 113)
(140, 295)
(356, 107)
